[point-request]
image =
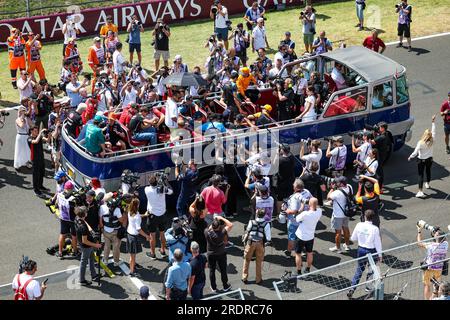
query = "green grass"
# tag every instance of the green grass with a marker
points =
(338, 19)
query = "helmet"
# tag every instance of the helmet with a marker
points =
(59, 175)
(245, 70)
(268, 108)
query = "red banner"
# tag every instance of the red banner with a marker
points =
(89, 21)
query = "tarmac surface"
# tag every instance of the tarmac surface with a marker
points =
(28, 228)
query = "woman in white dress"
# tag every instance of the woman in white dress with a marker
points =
(22, 151)
(309, 112)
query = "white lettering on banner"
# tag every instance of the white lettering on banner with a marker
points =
(260, 2)
(58, 26)
(116, 16)
(168, 10)
(177, 2)
(42, 23)
(195, 6)
(26, 27)
(79, 17)
(127, 16)
(101, 20)
(151, 11)
(6, 33)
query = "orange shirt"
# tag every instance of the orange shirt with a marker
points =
(242, 83)
(96, 56)
(108, 27)
(33, 53)
(16, 47)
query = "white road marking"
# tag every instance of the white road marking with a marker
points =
(138, 283)
(47, 275)
(422, 38)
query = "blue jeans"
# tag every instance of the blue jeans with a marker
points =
(359, 11)
(87, 257)
(362, 252)
(197, 291)
(148, 134)
(183, 204)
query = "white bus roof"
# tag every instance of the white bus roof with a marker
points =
(370, 65)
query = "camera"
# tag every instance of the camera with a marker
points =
(214, 9)
(182, 224)
(424, 225)
(400, 5)
(23, 263)
(5, 113)
(229, 23)
(137, 23)
(329, 182)
(162, 180)
(307, 141)
(129, 177)
(79, 197)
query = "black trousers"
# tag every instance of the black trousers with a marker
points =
(220, 261)
(38, 174)
(424, 166)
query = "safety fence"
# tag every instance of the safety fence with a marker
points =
(398, 276)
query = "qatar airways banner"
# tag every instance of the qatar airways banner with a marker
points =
(89, 21)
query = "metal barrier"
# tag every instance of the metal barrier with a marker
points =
(232, 295)
(399, 276)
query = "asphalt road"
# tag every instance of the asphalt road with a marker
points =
(28, 228)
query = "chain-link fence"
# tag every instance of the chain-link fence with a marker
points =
(399, 276)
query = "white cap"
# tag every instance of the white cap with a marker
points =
(260, 20)
(178, 57)
(81, 107)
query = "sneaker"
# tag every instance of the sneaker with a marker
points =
(427, 185)
(38, 193)
(335, 249)
(133, 274)
(360, 29)
(400, 45)
(163, 254)
(350, 293)
(420, 194)
(299, 272)
(213, 290)
(137, 266)
(116, 264)
(287, 253)
(409, 49)
(85, 283)
(151, 256)
(96, 278)
(346, 247)
(244, 281)
(229, 245)
(307, 270)
(447, 149)
(44, 189)
(29, 165)
(228, 288)
(14, 87)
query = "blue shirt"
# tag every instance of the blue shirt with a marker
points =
(187, 188)
(135, 34)
(178, 276)
(254, 15)
(174, 244)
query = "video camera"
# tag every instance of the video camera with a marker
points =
(162, 178)
(79, 196)
(289, 281)
(360, 133)
(182, 224)
(302, 13)
(277, 82)
(129, 177)
(23, 263)
(401, 5)
(4, 113)
(375, 128)
(334, 139)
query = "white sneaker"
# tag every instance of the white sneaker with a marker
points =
(346, 247)
(427, 185)
(335, 249)
(420, 194)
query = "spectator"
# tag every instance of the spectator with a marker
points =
(221, 22)
(64, 202)
(108, 26)
(33, 47)
(404, 11)
(445, 113)
(115, 136)
(296, 203)
(309, 113)
(241, 40)
(188, 180)
(360, 7)
(259, 37)
(144, 293)
(73, 90)
(161, 36)
(25, 85)
(322, 44)
(374, 43)
(371, 198)
(362, 150)
(133, 231)
(338, 156)
(97, 187)
(22, 153)
(110, 45)
(25, 287)
(198, 224)
(214, 198)
(111, 219)
(281, 54)
(178, 65)
(72, 56)
(285, 176)
(369, 242)
(339, 194)
(424, 152)
(308, 19)
(119, 62)
(37, 158)
(198, 277)
(44, 100)
(287, 41)
(134, 29)
(443, 292)
(305, 234)
(314, 155)
(156, 209)
(87, 246)
(129, 92)
(215, 237)
(252, 15)
(94, 141)
(70, 30)
(313, 181)
(178, 278)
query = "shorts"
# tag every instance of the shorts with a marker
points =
(304, 246)
(291, 229)
(158, 53)
(404, 30)
(222, 34)
(447, 128)
(157, 223)
(338, 223)
(67, 227)
(308, 38)
(430, 273)
(135, 46)
(133, 244)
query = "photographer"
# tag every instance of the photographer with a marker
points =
(198, 224)
(87, 246)
(156, 210)
(262, 201)
(177, 238)
(443, 292)
(178, 276)
(338, 156)
(33, 47)
(252, 15)
(383, 143)
(285, 95)
(308, 19)
(215, 198)
(322, 44)
(161, 36)
(111, 220)
(436, 251)
(404, 23)
(37, 158)
(25, 287)
(221, 22)
(129, 92)
(241, 39)
(73, 89)
(44, 99)
(285, 176)
(216, 235)
(362, 150)
(314, 155)
(313, 181)
(66, 207)
(371, 199)
(134, 38)
(188, 180)
(70, 30)
(370, 166)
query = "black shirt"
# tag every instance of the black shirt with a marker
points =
(74, 122)
(82, 230)
(382, 144)
(135, 123)
(198, 265)
(286, 172)
(44, 106)
(92, 217)
(162, 40)
(113, 132)
(312, 183)
(37, 150)
(285, 107)
(215, 242)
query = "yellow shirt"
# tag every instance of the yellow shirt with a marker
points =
(108, 27)
(376, 190)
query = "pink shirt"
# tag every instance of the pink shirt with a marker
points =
(214, 199)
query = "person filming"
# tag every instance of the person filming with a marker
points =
(25, 287)
(404, 11)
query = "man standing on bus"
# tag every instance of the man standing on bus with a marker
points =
(34, 47)
(96, 59)
(16, 49)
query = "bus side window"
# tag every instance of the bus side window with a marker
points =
(402, 90)
(347, 102)
(382, 96)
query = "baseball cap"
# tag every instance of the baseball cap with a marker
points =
(144, 292)
(97, 39)
(91, 193)
(68, 185)
(178, 57)
(98, 118)
(59, 175)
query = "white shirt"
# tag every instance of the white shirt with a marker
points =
(70, 32)
(313, 156)
(338, 78)
(129, 97)
(171, 112)
(422, 151)
(340, 152)
(100, 190)
(102, 103)
(295, 203)
(311, 115)
(75, 97)
(308, 25)
(27, 91)
(134, 224)
(279, 56)
(33, 288)
(365, 149)
(368, 236)
(339, 198)
(259, 34)
(104, 214)
(221, 21)
(372, 164)
(118, 61)
(156, 202)
(307, 224)
(300, 86)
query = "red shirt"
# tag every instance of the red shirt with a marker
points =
(372, 44)
(214, 199)
(446, 106)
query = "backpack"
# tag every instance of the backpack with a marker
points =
(21, 292)
(351, 207)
